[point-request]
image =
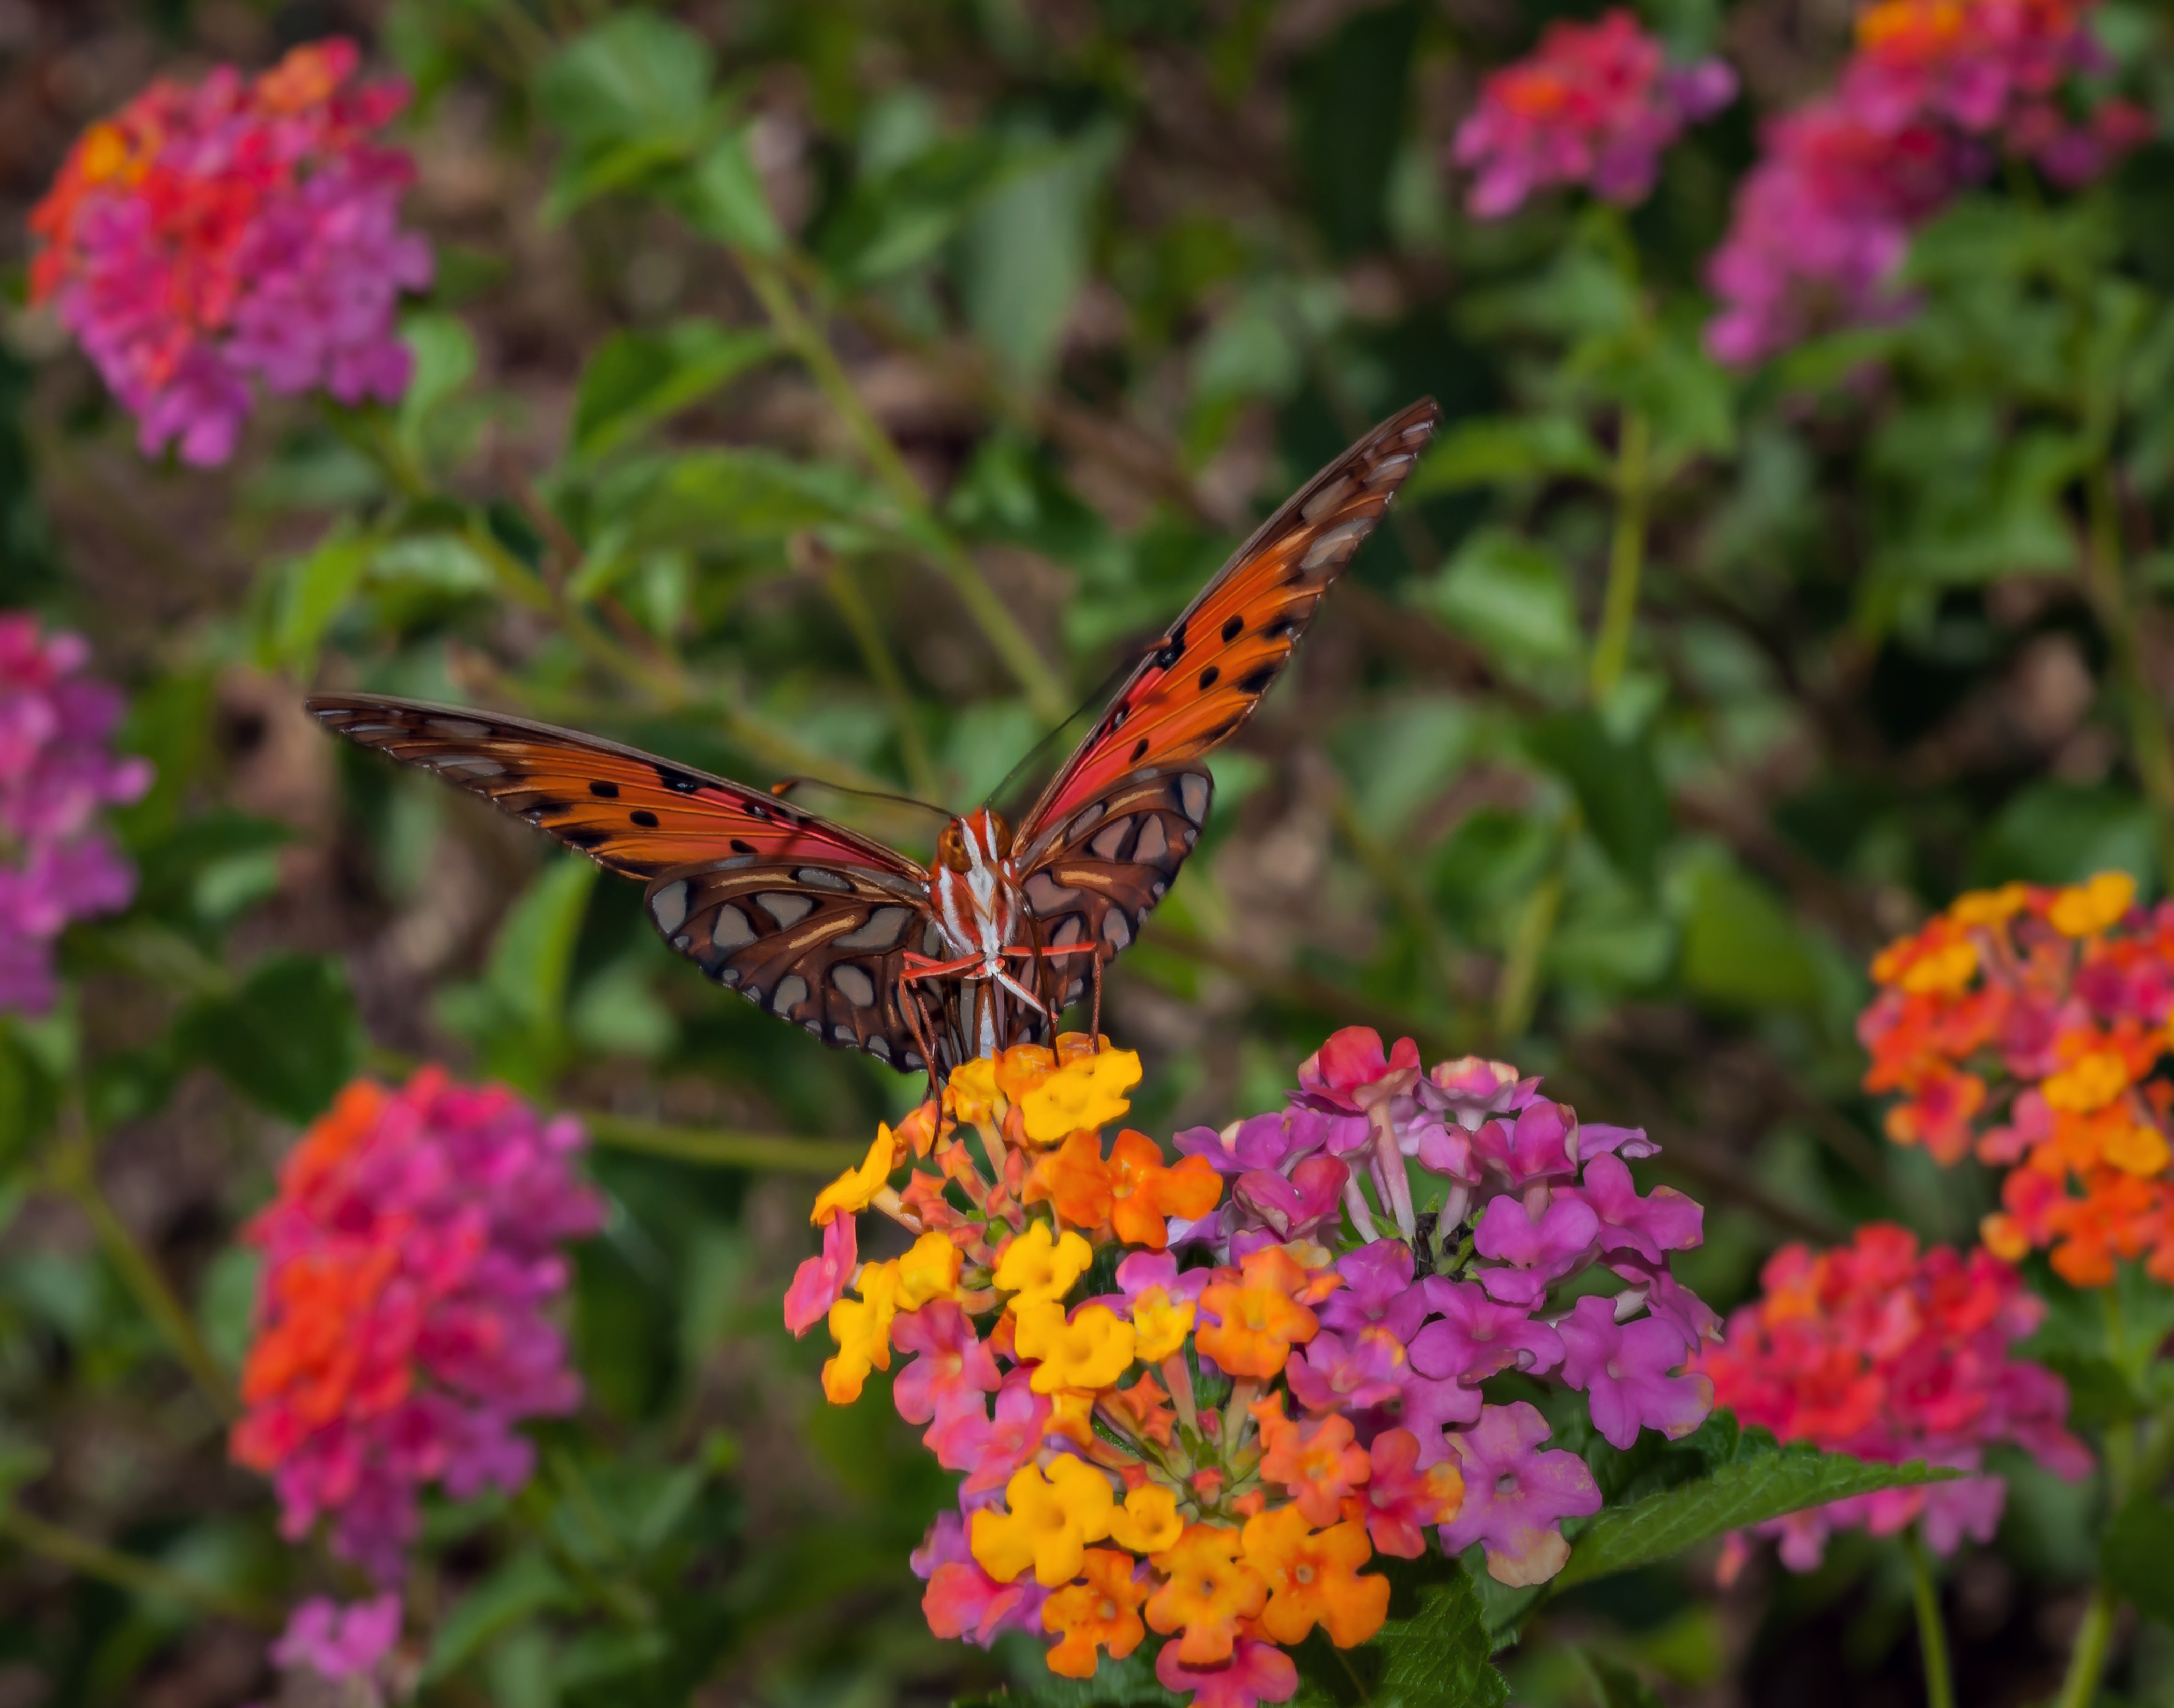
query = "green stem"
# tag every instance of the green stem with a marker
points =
(2087, 1661)
(2107, 583)
(79, 1554)
(1932, 1634)
(777, 1152)
(845, 594)
(1518, 993)
(1626, 558)
(1020, 657)
(72, 1171)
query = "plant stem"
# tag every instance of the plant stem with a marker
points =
(1518, 992)
(845, 594)
(2107, 583)
(1626, 559)
(79, 1554)
(1018, 653)
(2087, 1661)
(1932, 1634)
(780, 1152)
(72, 1170)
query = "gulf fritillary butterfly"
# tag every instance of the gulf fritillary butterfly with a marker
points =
(984, 948)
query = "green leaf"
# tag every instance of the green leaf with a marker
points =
(637, 378)
(1023, 254)
(312, 590)
(894, 221)
(1764, 1484)
(637, 78)
(445, 357)
(286, 1039)
(1513, 596)
(1615, 1685)
(723, 198)
(525, 1586)
(1438, 1658)
(2062, 832)
(1740, 946)
(2135, 1555)
(517, 1013)
(1495, 449)
(30, 1098)
(1617, 786)
(701, 498)
(1127, 1683)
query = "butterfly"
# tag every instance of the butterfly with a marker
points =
(924, 967)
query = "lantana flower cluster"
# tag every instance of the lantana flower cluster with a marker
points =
(1596, 103)
(410, 1260)
(1933, 94)
(2026, 1025)
(56, 772)
(1195, 1397)
(240, 227)
(1892, 1354)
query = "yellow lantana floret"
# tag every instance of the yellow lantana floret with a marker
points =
(1943, 971)
(1086, 1092)
(1038, 1266)
(1990, 907)
(969, 1094)
(1090, 1351)
(856, 1189)
(861, 1328)
(2137, 1150)
(929, 1270)
(2085, 908)
(1160, 1325)
(2093, 1082)
(1148, 1522)
(1051, 1521)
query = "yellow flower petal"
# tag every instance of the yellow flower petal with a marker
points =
(1084, 1093)
(2092, 1082)
(2091, 907)
(929, 1270)
(1036, 1266)
(2137, 1150)
(861, 1328)
(856, 1189)
(1148, 1522)
(969, 1094)
(1160, 1325)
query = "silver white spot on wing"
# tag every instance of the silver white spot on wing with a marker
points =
(456, 728)
(1337, 539)
(816, 877)
(1111, 838)
(1116, 929)
(1154, 840)
(1193, 789)
(883, 929)
(792, 991)
(731, 929)
(785, 907)
(668, 906)
(854, 984)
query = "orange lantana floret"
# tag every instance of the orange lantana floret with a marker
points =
(1075, 1180)
(1319, 1460)
(1100, 1613)
(1313, 1578)
(1143, 1193)
(1208, 1589)
(1259, 1316)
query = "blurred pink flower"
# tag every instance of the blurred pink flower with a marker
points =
(339, 1643)
(233, 228)
(410, 1258)
(1596, 105)
(56, 772)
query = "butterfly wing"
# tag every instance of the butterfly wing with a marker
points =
(1202, 681)
(805, 918)
(1106, 838)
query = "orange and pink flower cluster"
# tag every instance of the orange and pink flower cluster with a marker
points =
(1195, 1398)
(1891, 1354)
(2026, 1025)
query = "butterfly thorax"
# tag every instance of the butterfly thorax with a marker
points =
(975, 889)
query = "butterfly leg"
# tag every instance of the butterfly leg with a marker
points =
(1094, 1024)
(917, 1023)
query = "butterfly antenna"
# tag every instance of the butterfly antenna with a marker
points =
(785, 786)
(1040, 752)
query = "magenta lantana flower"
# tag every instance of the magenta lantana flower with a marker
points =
(1256, 1673)
(402, 1329)
(1516, 1496)
(340, 1643)
(1628, 1372)
(206, 234)
(1596, 105)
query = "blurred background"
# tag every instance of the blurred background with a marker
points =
(1081, 289)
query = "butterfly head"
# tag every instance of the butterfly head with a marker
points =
(974, 887)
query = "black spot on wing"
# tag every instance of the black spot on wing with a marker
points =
(680, 783)
(1210, 677)
(1233, 628)
(608, 791)
(1257, 682)
(643, 817)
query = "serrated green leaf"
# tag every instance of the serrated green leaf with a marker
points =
(637, 378)
(523, 1587)
(1752, 1489)
(1439, 1657)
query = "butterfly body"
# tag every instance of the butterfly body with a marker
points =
(926, 967)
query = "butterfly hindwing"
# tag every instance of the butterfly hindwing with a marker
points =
(822, 946)
(629, 811)
(1096, 875)
(1203, 679)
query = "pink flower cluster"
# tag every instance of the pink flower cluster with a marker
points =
(204, 235)
(345, 1646)
(1935, 90)
(1876, 1350)
(55, 773)
(410, 1257)
(1596, 105)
